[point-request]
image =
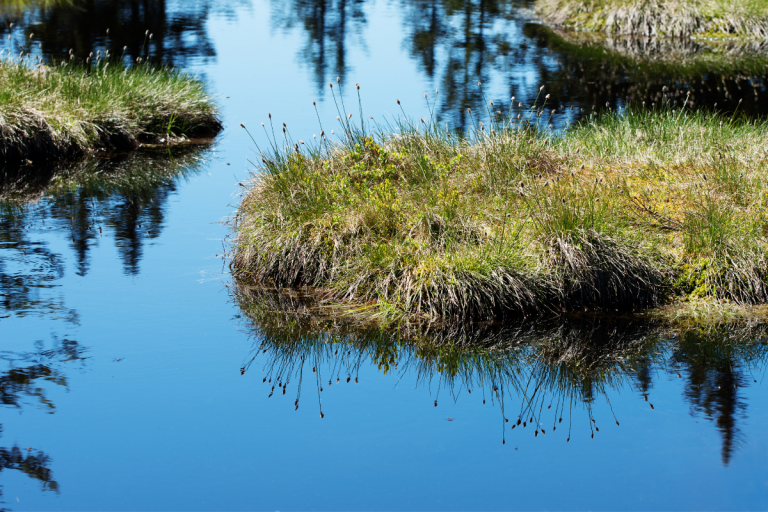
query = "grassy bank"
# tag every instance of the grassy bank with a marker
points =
(57, 111)
(621, 212)
(679, 18)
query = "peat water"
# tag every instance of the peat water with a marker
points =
(135, 375)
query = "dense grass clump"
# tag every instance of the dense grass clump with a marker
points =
(680, 18)
(64, 109)
(621, 211)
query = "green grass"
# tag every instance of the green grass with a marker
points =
(56, 111)
(679, 18)
(622, 211)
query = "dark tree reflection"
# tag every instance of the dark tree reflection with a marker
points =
(125, 197)
(178, 29)
(23, 383)
(465, 33)
(329, 24)
(458, 43)
(719, 365)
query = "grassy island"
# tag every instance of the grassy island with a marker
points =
(58, 111)
(621, 211)
(714, 19)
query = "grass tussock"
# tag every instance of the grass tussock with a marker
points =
(50, 112)
(717, 19)
(621, 211)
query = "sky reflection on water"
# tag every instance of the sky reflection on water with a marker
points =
(135, 376)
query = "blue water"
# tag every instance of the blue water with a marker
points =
(122, 346)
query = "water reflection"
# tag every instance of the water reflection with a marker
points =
(594, 71)
(126, 196)
(23, 383)
(179, 32)
(458, 44)
(328, 25)
(544, 376)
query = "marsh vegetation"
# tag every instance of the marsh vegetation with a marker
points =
(84, 104)
(624, 210)
(677, 18)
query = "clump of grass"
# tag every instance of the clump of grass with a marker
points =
(680, 18)
(49, 112)
(620, 211)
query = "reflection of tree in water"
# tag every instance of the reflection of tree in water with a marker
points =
(718, 364)
(328, 24)
(540, 373)
(467, 35)
(126, 196)
(178, 29)
(27, 269)
(21, 384)
(457, 44)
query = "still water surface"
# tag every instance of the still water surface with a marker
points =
(133, 373)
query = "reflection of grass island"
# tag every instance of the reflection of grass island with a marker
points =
(660, 56)
(69, 109)
(623, 211)
(541, 374)
(714, 19)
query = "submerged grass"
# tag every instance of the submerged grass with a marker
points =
(622, 211)
(678, 18)
(50, 112)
